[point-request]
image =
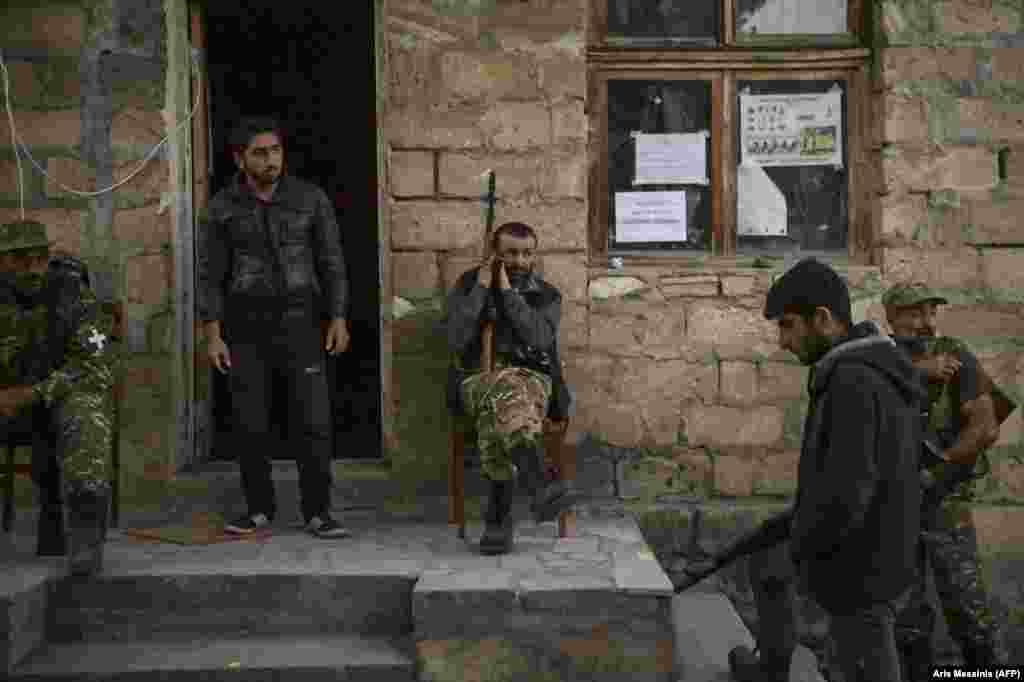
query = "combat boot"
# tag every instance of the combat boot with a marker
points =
(918, 657)
(745, 666)
(548, 498)
(88, 516)
(499, 529)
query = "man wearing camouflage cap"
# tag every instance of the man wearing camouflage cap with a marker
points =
(55, 384)
(965, 409)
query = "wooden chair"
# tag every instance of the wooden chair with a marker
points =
(558, 462)
(20, 440)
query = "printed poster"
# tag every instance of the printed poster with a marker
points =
(792, 130)
(650, 216)
(671, 159)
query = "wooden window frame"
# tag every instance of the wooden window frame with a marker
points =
(723, 67)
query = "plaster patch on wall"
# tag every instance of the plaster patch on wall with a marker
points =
(398, 309)
(611, 287)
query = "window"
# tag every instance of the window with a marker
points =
(727, 127)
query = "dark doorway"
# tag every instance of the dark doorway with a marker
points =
(311, 65)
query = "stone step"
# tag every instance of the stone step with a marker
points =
(25, 595)
(253, 659)
(157, 606)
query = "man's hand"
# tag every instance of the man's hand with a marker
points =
(685, 573)
(337, 336)
(218, 353)
(940, 367)
(503, 282)
(13, 398)
(483, 275)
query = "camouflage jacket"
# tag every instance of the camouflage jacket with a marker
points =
(58, 341)
(258, 257)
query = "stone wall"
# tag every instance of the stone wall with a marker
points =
(88, 96)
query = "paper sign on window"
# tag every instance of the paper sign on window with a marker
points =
(671, 159)
(792, 130)
(650, 216)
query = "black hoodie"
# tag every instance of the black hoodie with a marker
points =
(857, 516)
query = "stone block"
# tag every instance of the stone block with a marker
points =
(1015, 171)
(1002, 121)
(567, 272)
(898, 216)
(64, 226)
(24, 85)
(729, 328)
(563, 77)
(574, 329)
(734, 472)
(56, 28)
(943, 268)
(416, 274)
(9, 178)
(517, 125)
(137, 129)
(453, 129)
(777, 473)
(697, 467)
(411, 173)
(980, 320)
(413, 73)
(463, 175)
(909, 64)
(560, 225)
(958, 168)
(565, 178)
(61, 127)
(68, 172)
(147, 279)
(996, 222)
(491, 76)
(696, 286)
(625, 326)
(143, 228)
(781, 382)
(970, 16)
(903, 119)
(436, 225)
(722, 426)
(1003, 269)
(152, 181)
(738, 285)
(738, 383)
(569, 122)
(1008, 64)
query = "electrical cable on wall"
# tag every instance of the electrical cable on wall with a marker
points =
(21, 147)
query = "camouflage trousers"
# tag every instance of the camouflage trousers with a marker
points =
(508, 406)
(74, 441)
(949, 543)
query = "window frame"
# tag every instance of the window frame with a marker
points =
(724, 66)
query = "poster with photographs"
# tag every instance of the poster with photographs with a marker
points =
(792, 130)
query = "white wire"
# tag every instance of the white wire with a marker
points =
(19, 143)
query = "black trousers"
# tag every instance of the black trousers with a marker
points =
(287, 353)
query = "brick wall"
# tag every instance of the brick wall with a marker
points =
(87, 89)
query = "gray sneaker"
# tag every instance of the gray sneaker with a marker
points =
(248, 525)
(326, 527)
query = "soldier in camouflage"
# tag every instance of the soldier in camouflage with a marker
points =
(56, 374)
(509, 404)
(964, 413)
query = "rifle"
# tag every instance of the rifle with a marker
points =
(490, 314)
(769, 533)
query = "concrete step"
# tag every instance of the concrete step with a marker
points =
(253, 659)
(25, 596)
(157, 606)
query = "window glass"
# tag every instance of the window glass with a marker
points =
(775, 17)
(791, 183)
(638, 22)
(644, 118)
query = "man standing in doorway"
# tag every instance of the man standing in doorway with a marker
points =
(270, 270)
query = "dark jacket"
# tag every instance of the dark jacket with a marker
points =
(526, 329)
(258, 259)
(857, 515)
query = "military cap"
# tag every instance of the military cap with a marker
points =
(910, 293)
(23, 234)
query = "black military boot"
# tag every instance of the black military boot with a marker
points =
(985, 654)
(549, 498)
(917, 657)
(746, 666)
(88, 515)
(499, 529)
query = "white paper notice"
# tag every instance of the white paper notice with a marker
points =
(671, 159)
(762, 206)
(650, 216)
(792, 130)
